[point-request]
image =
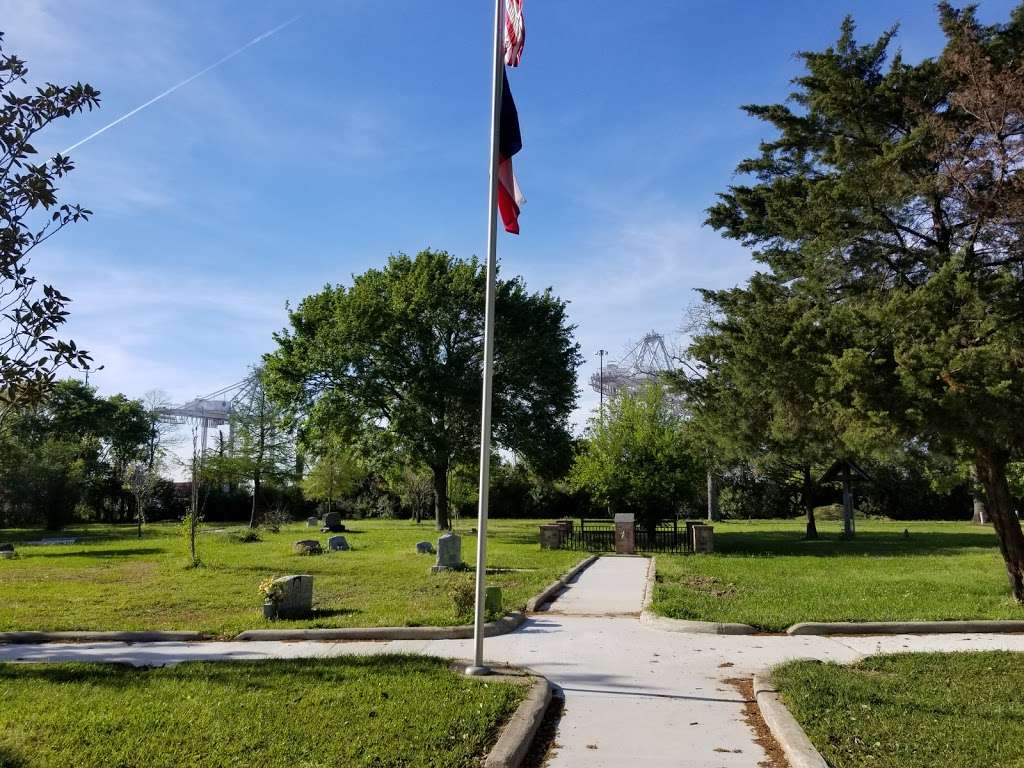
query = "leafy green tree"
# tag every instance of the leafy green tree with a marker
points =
(753, 386)
(393, 363)
(335, 475)
(890, 203)
(30, 352)
(637, 458)
(96, 438)
(414, 486)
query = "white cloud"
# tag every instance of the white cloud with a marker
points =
(639, 274)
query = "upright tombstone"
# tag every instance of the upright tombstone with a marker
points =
(337, 544)
(625, 533)
(332, 522)
(424, 548)
(296, 597)
(449, 554)
(703, 539)
(492, 600)
(551, 536)
(312, 522)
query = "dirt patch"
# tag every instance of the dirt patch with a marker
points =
(752, 716)
(544, 745)
(711, 585)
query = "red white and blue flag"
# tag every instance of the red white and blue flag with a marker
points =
(515, 32)
(510, 141)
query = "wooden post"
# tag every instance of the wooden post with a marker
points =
(848, 526)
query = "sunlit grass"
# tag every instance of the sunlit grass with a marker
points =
(111, 580)
(764, 573)
(955, 710)
(374, 711)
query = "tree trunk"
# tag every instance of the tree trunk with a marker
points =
(807, 497)
(991, 467)
(980, 516)
(441, 497)
(255, 499)
(714, 511)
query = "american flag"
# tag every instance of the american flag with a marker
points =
(515, 32)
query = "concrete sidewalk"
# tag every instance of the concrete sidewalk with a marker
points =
(612, 586)
(634, 696)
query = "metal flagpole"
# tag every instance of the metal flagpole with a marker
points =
(478, 667)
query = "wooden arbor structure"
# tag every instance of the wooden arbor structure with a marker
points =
(847, 472)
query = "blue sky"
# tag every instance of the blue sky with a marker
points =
(361, 130)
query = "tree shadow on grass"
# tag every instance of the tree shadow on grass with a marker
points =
(518, 538)
(328, 613)
(127, 552)
(753, 543)
(9, 759)
(251, 672)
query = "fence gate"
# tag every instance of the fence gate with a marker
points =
(598, 535)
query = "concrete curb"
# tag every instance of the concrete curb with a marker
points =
(787, 731)
(650, 619)
(904, 627)
(553, 589)
(29, 638)
(502, 626)
(518, 733)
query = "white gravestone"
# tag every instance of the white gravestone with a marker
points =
(449, 554)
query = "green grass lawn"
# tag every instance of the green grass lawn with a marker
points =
(955, 710)
(112, 580)
(374, 711)
(765, 574)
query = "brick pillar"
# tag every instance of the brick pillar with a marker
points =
(703, 539)
(551, 536)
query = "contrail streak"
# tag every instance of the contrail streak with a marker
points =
(186, 81)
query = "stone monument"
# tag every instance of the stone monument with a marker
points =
(703, 539)
(307, 547)
(312, 522)
(492, 600)
(332, 523)
(337, 544)
(551, 536)
(625, 533)
(424, 548)
(449, 554)
(296, 597)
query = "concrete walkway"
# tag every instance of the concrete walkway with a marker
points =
(634, 696)
(612, 586)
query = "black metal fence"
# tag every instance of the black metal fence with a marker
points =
(598, 535)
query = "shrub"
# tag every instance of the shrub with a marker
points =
(463, 595)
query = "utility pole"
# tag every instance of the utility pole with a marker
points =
(602, 353)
